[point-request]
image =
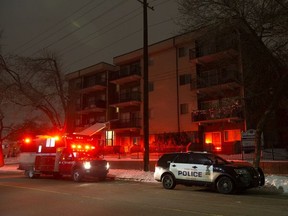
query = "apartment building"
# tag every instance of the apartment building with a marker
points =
(196, 94)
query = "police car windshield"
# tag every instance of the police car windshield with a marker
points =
(217, 160)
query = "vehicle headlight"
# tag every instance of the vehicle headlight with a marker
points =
(107, 165)
(241, 171)
(87, 165)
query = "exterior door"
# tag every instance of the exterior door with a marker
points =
(66, 162)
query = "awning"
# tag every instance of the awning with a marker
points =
(90, 131)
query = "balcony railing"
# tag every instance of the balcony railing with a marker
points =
(204, 48)
(126, 97)
(216, 77)
(125, 73)
(218, 113)
(93, 82)
(93, 105)
(126, 123)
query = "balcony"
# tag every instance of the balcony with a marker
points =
(223, 114)
(126, 124)
(98, 106)
(219, 49)
(93, 85)
(127, 99)
(213, 81)
(125, 76)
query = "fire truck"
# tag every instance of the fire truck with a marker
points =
(73, 155)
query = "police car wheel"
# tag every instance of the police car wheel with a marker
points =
(77, 175)
(168, 181)
(225, 185)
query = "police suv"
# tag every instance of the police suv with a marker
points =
(206, 169)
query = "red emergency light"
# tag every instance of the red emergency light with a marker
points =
(27, 140)
(81, 147)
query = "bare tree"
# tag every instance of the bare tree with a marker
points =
(37, 83)
(268, 19)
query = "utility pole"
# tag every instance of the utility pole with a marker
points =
(146, 86)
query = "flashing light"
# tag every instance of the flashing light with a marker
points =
(56, 138)
(27, 140)
(81, 147)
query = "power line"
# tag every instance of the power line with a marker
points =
(83, 26)
(52, 26)
(115, 42)
(108, 30)
(112, 26)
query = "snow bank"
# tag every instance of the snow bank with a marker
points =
(279, 182)
(272, 182)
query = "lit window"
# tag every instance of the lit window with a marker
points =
(232, 135)
(109, 138)
(214, 139)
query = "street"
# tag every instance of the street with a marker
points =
(47, 196)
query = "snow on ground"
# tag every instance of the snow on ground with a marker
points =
(275, 183)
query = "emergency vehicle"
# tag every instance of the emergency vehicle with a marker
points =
(206, 169)
(72, 155)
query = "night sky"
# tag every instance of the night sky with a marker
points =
(83, 32)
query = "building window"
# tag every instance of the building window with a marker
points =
(183, 109)
(182, 52)
(185, 79)
(150, 86)
(109, 138)
(232, 135)
(213, 141)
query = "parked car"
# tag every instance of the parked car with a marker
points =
(206, 169)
